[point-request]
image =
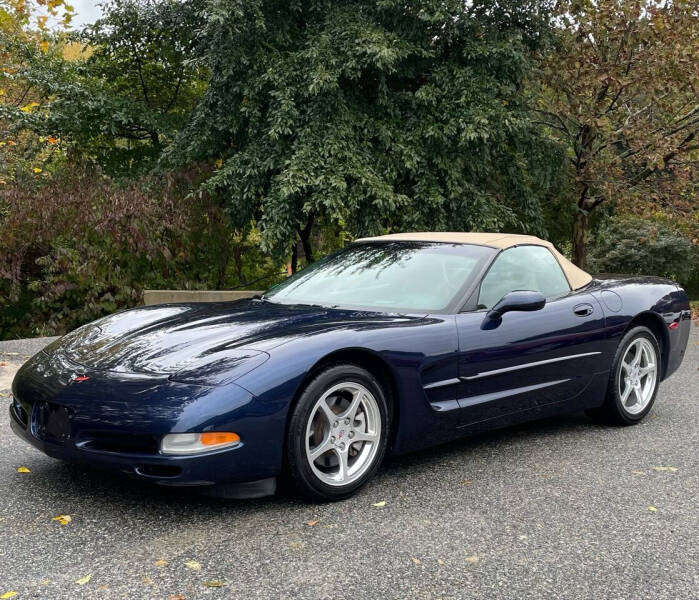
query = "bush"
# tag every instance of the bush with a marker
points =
(643, 246)
(79, 247)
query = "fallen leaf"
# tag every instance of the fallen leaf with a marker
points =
(147, 581)
(652, 509)
(379, 504)
(84, 580)
(416, 561)
(311, 523)
(472, 559)
(44, 582)
(177, 597)
(9, 595)
(23, 470)
(671, 469)
(638, 472)
(36, 170)
(63, 519)
(214, 583)
(160, 563)
(193, 564)
(440, 561)
(466, 482)
(52, 140)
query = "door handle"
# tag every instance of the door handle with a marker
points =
(583, 310)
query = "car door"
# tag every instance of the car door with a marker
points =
(527, 359)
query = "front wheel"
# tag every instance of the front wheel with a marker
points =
(338, 433)
(633, 382)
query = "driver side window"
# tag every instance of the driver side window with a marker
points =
(531, 268)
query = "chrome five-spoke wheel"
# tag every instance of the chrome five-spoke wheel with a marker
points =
(338, 432)
(343, 433)
(633, 382)
(638, 375)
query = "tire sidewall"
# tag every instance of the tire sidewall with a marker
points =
(627, 340)
(299, 469)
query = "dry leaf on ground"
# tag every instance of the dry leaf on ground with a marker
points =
(9, 595)
(193, 564)
(652, 509)
(63, 519)
(472, 559)
(84, 580)
(214, 583)
(379, 504)
(160, 563)
(416, 561)
(23, 470)
(312, 523)
(671, 469)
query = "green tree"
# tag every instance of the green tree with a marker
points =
(122, 98)
(620, 90)
(370, 116)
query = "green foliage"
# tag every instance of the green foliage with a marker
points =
(124, 97)
(372, 116)
(641, 246)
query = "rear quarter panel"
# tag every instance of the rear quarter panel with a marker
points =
(656, 301)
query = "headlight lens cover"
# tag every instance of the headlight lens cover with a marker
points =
(179, 444)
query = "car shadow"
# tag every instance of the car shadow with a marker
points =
(69, 482)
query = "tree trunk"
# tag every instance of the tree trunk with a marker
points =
(305, 236)
(294, 256)
(579, 234)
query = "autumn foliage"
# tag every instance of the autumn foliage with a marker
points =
(214, 143)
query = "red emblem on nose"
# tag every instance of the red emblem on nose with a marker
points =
(81, 378)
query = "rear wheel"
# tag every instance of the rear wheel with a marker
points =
(338, 433)
(633, 382)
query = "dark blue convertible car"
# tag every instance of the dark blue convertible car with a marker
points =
(394, 343)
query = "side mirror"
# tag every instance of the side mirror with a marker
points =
(519, 300)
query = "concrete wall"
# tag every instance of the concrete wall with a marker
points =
(170, 296)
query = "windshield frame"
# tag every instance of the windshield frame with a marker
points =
(455, 303)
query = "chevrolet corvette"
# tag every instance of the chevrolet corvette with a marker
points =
(392, 344)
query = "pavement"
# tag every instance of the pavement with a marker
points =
(560, 508)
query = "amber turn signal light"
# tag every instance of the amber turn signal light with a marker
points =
(213, 438)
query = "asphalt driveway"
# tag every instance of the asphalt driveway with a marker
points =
(560, 508)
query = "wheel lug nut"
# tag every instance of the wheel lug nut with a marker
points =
(342, 446)
(346, 421)
(351, 434)
(332, 439)
(336, 424)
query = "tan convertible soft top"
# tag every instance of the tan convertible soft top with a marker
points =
(577, 278)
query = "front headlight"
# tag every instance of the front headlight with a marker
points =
(195, 443)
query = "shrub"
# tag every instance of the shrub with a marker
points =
(79, 247)
(643, 246)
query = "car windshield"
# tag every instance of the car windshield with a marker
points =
(387, 276)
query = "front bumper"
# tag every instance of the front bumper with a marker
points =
(115, 421)
(193, 470)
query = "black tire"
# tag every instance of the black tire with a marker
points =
(613, 411)
(300, 472)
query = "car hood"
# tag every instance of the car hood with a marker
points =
(192, 339)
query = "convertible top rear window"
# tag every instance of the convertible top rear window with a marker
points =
(395, 276)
